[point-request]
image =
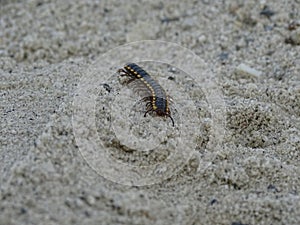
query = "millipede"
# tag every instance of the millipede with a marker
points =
(156, 100)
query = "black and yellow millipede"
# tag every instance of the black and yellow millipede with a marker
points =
(156, 100)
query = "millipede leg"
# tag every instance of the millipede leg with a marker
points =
(145, 99)
(148, 104)
(130, 80)
(147, 112)
(172, 121)
(122, 72)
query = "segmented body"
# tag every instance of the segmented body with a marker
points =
(157, 99)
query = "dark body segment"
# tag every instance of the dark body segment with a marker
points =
(157, 101)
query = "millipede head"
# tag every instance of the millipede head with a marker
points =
(160, 112)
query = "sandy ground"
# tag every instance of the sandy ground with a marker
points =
(247, 174)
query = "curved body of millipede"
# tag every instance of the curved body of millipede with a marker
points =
(157, 100)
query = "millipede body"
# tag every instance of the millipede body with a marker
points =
(157, 99)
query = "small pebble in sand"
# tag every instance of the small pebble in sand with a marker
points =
(244, 69)
(294, 38)
(293, 25)
(266, 11)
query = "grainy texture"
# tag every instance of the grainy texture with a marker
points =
(45, 47)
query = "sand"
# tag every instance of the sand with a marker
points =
(232, 69)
